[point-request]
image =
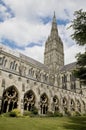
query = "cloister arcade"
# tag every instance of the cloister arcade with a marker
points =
(10, 100)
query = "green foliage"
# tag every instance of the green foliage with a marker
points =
(81, 59)
(79, 35)
(5, 114)
(76, 113)
(68, 113)
(15, 113)
(34, 111)
(79, 27)
(50, 114)
(57, 114)
(80, 71)
(27, 113)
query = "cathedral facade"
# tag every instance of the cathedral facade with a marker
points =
(25, 82)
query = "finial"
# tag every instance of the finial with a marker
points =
(54, 14)
(54, 18)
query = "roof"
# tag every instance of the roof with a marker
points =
(68, 67)
(34, 62)
(24, 57)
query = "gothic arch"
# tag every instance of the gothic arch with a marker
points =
(29, 100)
(44, 103)
(65, 104)
(9, 99)
(56, 103)
(72, 105)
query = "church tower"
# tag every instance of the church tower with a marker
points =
(54, 55)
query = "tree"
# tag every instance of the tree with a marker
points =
(79, 27)
(80, 71)
(79, 35)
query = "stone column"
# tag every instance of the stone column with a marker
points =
(21, 103)
(56, 83)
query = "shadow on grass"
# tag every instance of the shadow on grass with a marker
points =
(76, 123)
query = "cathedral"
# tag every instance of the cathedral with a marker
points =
(50, 87)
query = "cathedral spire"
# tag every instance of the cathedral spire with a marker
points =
(54, 30)
(54, 55)
(54, 18)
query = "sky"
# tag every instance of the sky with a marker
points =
(25, 25)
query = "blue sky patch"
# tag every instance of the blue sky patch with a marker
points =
(11, 44)
(62, 22)
(3, 15)
(32, 44)
(45, 20)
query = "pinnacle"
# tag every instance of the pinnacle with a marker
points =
(54, 30)
(54, 18)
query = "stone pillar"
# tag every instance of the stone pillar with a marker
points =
(21, 103)
(61, 106)
(56, 83)
(0, 103)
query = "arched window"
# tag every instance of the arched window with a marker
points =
(31, 72)
(64, 78)
(64, 86)
(1, 60)
(72, 78)
(72, 105)
(44, 103)
(10, 99)
(29, 100)
(5, 63)
(73, 86)
(56, 103)
(15, 66)
(65, 105)
(11, 65)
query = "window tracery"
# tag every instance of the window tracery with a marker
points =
(10, 99)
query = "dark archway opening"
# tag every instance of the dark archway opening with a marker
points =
(9, 99)
(44, 104)
(29, 100)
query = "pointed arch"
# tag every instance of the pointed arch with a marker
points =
(64, 101)
(29, 100)
(55, 103)
(65, 104)
(72, 105)
(44, 103)
(10, 99)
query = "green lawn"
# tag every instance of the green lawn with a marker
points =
(56, 123)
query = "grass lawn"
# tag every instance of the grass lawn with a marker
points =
(56, 123)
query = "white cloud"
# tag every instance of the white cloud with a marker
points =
(71, 52)
(23, 32)
(35, 52)
(26, 26)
